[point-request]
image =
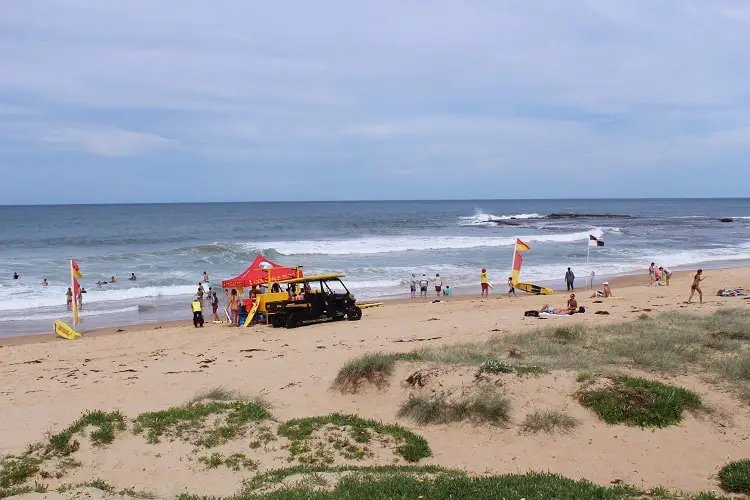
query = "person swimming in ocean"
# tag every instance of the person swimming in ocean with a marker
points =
(205, 277)
(45, 282)
(16, 276)
(112, 281)
(132, 277)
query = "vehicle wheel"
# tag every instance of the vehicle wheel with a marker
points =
(293, 321)
(354, 314)
(278, 320)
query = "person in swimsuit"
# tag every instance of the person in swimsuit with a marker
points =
(571, 308)
(45, 282)
(438, 285)
(16, 276)
(215, 305)
(112, 281)
(132, 277)
(651, 270)
(413, 285)
(696, 286)
(511, 288)
(69, 296)
(205, 277)
(606, 293)
(200, 292)
(234, 308)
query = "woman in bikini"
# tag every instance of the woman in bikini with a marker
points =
(234, 307)
(696, 286)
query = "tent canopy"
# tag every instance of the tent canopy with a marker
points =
(258, 274)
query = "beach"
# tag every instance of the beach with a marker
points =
(47, 382)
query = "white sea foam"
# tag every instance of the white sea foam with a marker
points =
(482, 218)
(389, 244)
(86, 313)
(28, 302)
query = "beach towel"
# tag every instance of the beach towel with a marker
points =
(559, 315)
(738, 292)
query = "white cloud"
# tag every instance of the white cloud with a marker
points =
(107, 142)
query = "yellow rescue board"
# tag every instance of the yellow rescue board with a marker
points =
(65, 331)
(535, 289)
(251, 314)
(371, 304)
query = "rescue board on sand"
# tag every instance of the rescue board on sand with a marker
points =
(535, 289)
(65, 331)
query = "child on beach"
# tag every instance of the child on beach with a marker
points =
(447, 290)
(696, 286)
(511, 288)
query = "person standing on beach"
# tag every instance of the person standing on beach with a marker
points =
(438, 285)
(413, 286)
(200, 292)
(668, 275)
(234, 308)
(69, 297)
(651, 272)
(570, 279)
(511, 288)
(485, 283)
(215, 305)
(696, 286)
(195, 306)
(423, 284)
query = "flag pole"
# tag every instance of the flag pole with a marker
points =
(74, 305)
(513, 259)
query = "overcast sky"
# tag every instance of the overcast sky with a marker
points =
(190, 100)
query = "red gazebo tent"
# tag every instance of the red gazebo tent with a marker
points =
(260, 272)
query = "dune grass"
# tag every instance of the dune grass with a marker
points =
(548, 421)
(372, 369)
(106, 424)
(410, 446)
(487, 405)
(218, 393)
(499, 366)
(181, 419)
(639, 402)
(430, 483)
(716, 345)
(734, 477)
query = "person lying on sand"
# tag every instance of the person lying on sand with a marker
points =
(606, 293)
(571, 308)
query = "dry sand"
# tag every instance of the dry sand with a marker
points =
(45, 383)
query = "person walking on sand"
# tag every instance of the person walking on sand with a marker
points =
(413, 285)
(570, 279)
(423, 284)
(69, 297)
(696, 286)
(438, 285)
(485, 283)
(511, 288)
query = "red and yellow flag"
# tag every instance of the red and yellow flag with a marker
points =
(75, 269)
(518, 259)
(75, 275)
(521, 246)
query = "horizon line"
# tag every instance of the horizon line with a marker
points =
(635, 198)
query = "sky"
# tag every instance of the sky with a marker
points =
(245, 100)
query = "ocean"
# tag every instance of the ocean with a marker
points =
(378, 245)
